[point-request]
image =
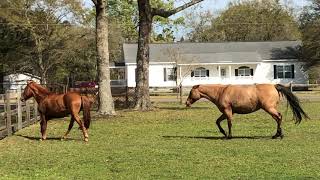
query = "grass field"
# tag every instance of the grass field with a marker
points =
(171, 142)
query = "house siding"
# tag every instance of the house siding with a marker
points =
(17, 81)
(265, 73)
(156, 76)
(260, 57)
(262, 73)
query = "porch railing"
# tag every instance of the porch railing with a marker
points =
(118, 83)
(221, 80)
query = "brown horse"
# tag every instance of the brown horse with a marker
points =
(244, 99)
(53, 105)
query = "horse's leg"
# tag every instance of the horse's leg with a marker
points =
(69, 128)
(278, 117)
(43, 127)
(84, 130)
(221, 118)
(228, 114)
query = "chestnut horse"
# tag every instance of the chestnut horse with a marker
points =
(244, 99)
(51, 105)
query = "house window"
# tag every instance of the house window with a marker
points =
(170, 74)
(283, 71)
(200, 72)
(117, 73)
(244, 71)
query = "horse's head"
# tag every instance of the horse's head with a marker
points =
(194, 96)
(28, 91)
(92, 97)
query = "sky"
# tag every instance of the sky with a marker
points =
(216, 6)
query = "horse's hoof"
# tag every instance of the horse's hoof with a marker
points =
(86, 139)
(276, 136)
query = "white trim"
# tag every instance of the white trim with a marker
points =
(218, 63)
(224, 62)
(117, 67)
(153, 63)
(281, 60)
(180, 74)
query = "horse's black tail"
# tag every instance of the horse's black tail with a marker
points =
(293, 102)
(86, 105)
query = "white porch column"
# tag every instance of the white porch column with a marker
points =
(230, 71)
(180, 74)
(219, 71)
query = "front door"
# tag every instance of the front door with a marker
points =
(223, 72)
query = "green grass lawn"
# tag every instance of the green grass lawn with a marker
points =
(171, 142)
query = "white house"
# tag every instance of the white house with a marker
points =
(218, 63)
(18, 81)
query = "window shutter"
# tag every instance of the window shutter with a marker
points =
(164, 74)
(251, 72)
(292, 69)
(275, 72)
(208, 73)
(236, 72)
(175, 73)
(192, 73)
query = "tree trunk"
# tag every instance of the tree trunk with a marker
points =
(43, 79)
(1, 79)
(142, 73)
(106, 106)
(146, 14)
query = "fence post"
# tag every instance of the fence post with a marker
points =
(127, 96)
(180, 91)
(65, 89)
(8, 110)
(19, 109)
(35, 110)
(27, 112)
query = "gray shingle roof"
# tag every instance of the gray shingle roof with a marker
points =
(231, 52)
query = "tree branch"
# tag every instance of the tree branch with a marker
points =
(167, 13)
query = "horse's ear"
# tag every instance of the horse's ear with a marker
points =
(29, 81)
(195, 87)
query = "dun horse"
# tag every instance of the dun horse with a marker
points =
(52, 105)
(244, 99)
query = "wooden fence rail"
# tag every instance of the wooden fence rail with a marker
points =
(14, 114)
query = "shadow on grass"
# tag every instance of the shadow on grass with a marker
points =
(48, 138)
(216, 138)
(183, 108)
